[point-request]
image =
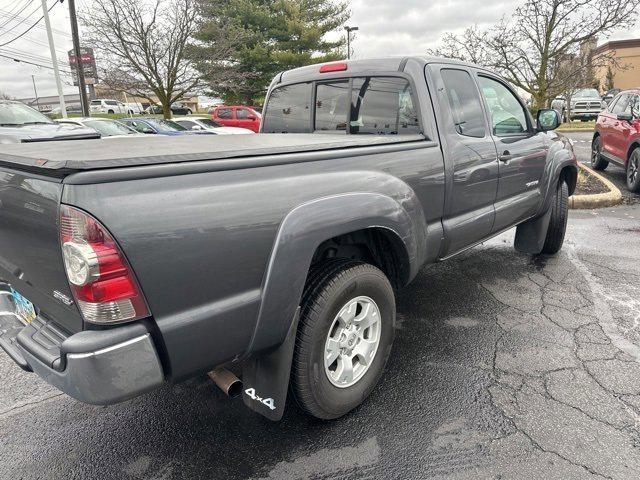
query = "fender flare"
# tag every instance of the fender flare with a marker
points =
(303, 229)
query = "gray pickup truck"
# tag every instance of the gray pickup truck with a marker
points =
(130, 263)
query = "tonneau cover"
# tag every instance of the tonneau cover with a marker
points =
(65, 157)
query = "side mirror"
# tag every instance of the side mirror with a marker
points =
(547, 119)
(627, 117)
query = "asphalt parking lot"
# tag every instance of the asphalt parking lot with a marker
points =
(504, 366)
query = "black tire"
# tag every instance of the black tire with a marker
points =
(558, 221)
(633, 171)
(330, 286)
(110, 111)
(597, 161)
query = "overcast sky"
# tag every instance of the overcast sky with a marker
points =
(387, 27)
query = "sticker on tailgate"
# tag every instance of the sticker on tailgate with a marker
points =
(24, 308)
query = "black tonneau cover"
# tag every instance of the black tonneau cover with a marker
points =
(61, 158)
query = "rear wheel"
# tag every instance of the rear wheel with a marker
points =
(110, 111)
(558, 221)
(344, 337)
(633, 171)
(597, 162)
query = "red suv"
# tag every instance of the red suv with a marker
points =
(237, 116)
(617, 137)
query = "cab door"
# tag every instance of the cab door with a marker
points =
(471, 162)
(522, 153)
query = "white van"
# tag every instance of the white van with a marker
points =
(103, 105)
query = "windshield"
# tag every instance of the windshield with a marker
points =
(107, 128)
(19, 114)
(209, 123)
(587, 93)
(167, 126)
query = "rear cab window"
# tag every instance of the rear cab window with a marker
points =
(360, 105)
(224, 113)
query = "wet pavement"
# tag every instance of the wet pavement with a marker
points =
(504, 366)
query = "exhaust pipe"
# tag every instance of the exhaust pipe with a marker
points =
(226, 381)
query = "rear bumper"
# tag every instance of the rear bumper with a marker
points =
(97, 367)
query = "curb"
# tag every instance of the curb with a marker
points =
(598, 200)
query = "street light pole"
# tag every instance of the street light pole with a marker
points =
(76, 51)
(54, 59)
(349, 30)
(33, 77)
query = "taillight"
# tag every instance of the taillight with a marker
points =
(100, 277)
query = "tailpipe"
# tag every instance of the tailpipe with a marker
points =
(226, 381)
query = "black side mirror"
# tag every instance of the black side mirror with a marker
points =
(547, 119)
(627, 117)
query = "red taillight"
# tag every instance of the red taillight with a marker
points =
(333, 67)
(100, 278)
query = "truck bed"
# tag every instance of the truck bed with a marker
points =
(62, 158)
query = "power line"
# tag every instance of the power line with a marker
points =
(30, 56)
(5, 13)
(19, 60)
(17, 14)
(30, 28)
(23, 19)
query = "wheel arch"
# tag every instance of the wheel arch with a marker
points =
(363, 224)
(635, 144)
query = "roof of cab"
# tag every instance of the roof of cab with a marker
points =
(382, 64)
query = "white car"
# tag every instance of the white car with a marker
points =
(105, 105)
(205, 123)
(104, 126)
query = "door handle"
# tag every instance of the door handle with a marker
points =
(505, 157)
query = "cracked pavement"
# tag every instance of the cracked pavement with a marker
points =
(504, 366)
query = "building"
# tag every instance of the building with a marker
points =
(626, 74)
(52, 102)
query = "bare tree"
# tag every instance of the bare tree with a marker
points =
(529, 47)
(142, 46)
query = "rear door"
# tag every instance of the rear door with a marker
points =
(30, 252)
(472, 164)
(245, 118)
(621, 129)
(522, 152)
(224, 116)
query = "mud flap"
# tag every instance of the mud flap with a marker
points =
(530, 235)
(266, 378)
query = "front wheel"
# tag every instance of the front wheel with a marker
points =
(347, 326)
(558, 221)
(597, 162)
(633, 171)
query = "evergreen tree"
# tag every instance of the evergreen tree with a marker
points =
(270, 36)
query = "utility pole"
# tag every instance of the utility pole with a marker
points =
(349, 30)
(76, 51)
(54, 59)
(33, 77)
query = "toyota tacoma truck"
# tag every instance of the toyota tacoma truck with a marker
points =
(271, 258)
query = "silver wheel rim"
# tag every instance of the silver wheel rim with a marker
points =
(352, 341)
(632, 172)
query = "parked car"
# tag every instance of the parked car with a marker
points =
(157, 126)
(105, 105)
(20, 124)
(617, 137)
(237, 116)
(608, 96)
(176, 109)
(206, 124)
(276, 255)
(104, 126)
(586, 104)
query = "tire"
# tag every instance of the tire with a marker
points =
(110, 111)
(633, 171)
(558, 221)
(189, 112)
(597, 161)
(331, 287)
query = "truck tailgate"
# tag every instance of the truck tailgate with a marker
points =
(30, 255)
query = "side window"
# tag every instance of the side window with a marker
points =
(468, 117)
(224, 113)
(288, 110)
(332, 106)
(621, 104)
(505, 111)
(382, 106)
(242, 113)
(635, 106)
(612, 103)
(111, 102)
